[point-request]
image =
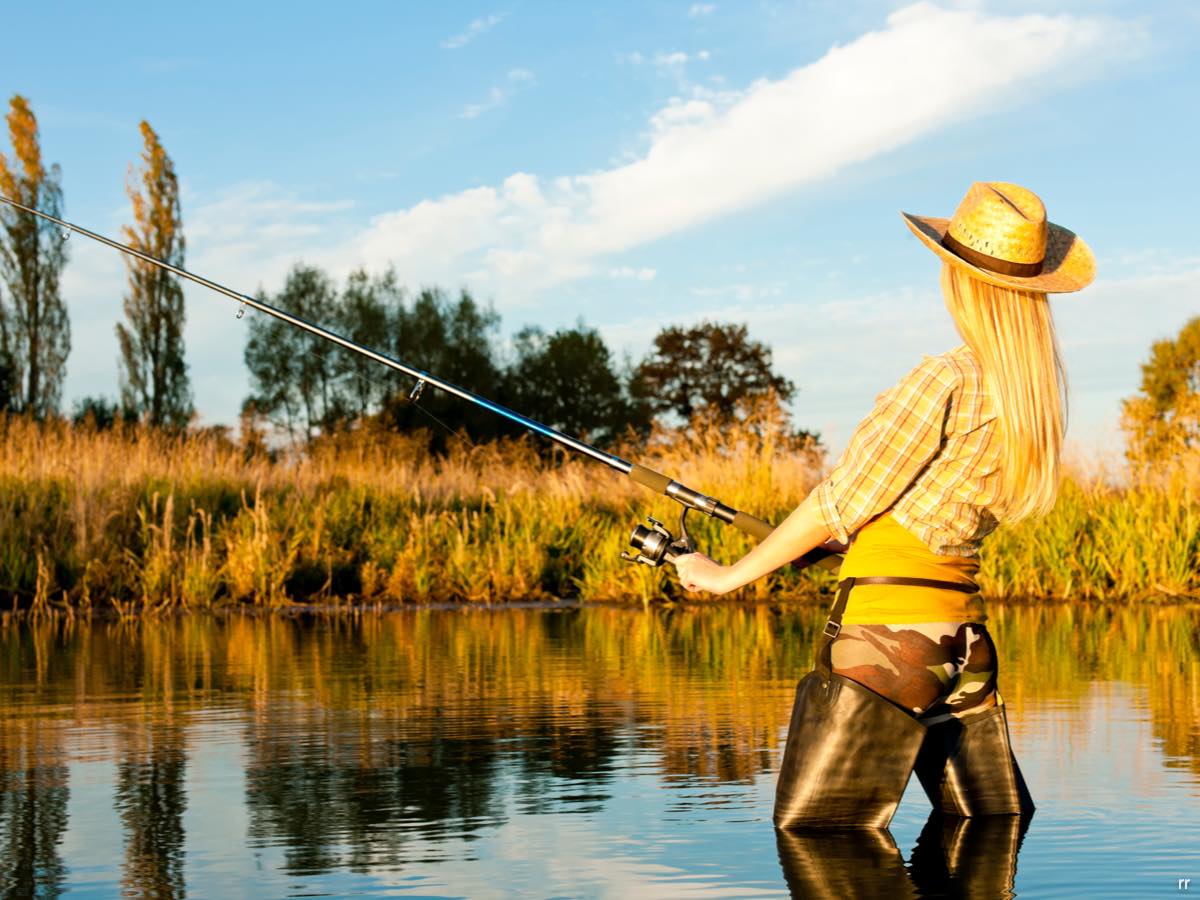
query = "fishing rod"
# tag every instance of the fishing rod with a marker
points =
(654, 543)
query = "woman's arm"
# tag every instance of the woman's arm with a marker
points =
(886, 453)
(800, 532)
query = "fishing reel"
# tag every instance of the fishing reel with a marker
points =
(656, 545)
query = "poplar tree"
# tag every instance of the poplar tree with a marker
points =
(35, 333)
(154, 379)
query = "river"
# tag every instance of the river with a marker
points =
(593, 751)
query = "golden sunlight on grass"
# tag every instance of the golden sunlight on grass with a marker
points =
(140, 520)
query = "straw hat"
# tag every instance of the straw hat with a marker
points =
(1000, 235)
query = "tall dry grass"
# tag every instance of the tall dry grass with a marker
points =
(139, 520)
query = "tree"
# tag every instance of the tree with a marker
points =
(8, 382)
(307, 385)
(367, 313)
(712, 367)
(566, 379)
(154, 379)
(99, 411)
(1163, 419)
(455, 340)
(35, 333)
(291, 371)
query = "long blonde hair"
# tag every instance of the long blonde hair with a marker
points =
(1011, 333)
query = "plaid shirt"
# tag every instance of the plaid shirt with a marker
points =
(928, 453)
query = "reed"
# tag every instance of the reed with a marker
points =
(1136, 540)
(142, 521)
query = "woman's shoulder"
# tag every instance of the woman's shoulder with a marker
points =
(960, 370)
(948, 371)
(953, 369)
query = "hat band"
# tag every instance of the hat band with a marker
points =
(991, 263)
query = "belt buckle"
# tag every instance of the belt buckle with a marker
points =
(832, 629)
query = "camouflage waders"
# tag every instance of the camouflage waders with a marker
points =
(883, 699)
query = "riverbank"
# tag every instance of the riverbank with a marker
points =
(139, 521)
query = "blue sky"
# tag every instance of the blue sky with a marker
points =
(635, 165)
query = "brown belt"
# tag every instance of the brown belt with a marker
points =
(834, 625)
(964, 586)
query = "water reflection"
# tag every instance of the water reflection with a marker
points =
(33, 817)
(974, 857)
(833, 865)
(329, 800)
(398, 745)
(953, 857)
(150, 800)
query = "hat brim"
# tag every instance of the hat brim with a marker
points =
(1069, 264)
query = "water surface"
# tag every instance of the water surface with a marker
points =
(557, 752)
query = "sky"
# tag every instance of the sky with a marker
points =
(634, 165)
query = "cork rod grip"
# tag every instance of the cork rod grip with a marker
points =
(752, 526)
(656, 481)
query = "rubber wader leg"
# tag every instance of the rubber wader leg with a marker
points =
(967, 767)
(835, 865)
(848, 757)
(957, 857)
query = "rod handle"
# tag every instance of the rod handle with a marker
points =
(656, 481)
(752, 525)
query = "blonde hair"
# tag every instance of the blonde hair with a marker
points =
(1011, 333)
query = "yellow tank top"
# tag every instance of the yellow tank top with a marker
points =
(885, 547)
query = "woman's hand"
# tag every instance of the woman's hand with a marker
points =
(699, 573)
(804, 529)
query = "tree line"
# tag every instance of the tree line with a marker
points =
(567, 378)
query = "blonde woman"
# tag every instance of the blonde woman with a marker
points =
(906, 675)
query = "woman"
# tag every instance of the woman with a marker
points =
(966, 440)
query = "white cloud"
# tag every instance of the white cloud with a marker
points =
(643, 274)
(495, 97)
(668, 62)
(742, 292)
(498, 95)
(712, 154)
(680, 111)
(476, 28)
(674, 62)
(664, 60)
(697, 10)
